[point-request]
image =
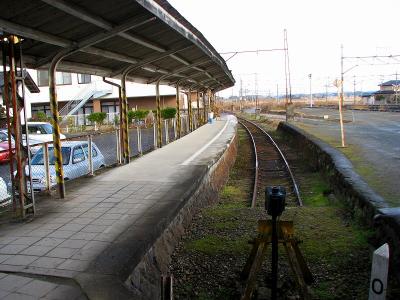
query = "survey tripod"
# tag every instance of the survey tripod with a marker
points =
(285, 230)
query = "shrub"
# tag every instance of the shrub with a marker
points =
(97, 117)
(41, 117)
(139, 114)
(168, 113)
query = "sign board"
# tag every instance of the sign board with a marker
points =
(379, 273)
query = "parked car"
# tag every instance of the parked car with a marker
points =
(5, 197)
(75, 163)
(41, 131)
(4, 147)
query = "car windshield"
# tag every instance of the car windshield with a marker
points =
(38, 157)
(3, 136)
(40, 129)
(47, 128)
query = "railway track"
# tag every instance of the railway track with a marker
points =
(270, 165)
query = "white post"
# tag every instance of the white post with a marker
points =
(155, 135)
(139, 140)
(46, 165)
(118, 147)
(174, 124)
(166, 131)
(311, 99)
(90, 154)
(379, 273)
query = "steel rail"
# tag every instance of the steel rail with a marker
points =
(254, 198)
(295, 186)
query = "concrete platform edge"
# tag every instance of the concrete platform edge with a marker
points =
(353, 189)
(140, 279)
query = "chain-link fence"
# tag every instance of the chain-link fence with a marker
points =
(84, 154)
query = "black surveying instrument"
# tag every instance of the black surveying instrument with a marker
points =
(275, 231)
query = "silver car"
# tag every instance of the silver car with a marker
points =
(75, 163)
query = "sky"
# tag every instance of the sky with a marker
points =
(316, 30)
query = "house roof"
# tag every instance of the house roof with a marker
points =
(390, 83)
(104, 37)
(390, 92)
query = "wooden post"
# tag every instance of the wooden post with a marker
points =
(379, 273)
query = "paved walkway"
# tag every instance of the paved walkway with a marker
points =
(105, 221)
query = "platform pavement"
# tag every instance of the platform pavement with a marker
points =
(105, 223)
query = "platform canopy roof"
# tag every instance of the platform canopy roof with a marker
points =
(104, 37)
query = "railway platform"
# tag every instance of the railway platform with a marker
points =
(87, 245)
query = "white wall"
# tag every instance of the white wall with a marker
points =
(68, 92)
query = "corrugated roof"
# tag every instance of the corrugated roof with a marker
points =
(104, 37)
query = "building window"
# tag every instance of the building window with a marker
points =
(84, 78)
(43, 78)
(63, 78)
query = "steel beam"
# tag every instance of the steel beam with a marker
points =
(178, 112)
(58, 41)
(121, 127)
(151, 59)
(102, 36)
(56, 127)
(125, 122)
(178, 70)
(158, 103)
(84, 15)
(198, 105)
(190, 110)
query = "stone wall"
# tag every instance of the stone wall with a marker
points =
(145, 279)
(350, 187)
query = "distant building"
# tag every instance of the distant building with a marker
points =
(78, 95)
(388, 93)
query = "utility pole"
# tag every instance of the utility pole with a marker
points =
(277, 94)
(326, 89)
(311, 99)
(340, 84)
(354, 89)
(396, 89)
(341, 78)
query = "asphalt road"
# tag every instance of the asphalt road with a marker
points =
(373, 140)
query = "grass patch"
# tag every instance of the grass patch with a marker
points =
(231, 191)
(316, 190)
(214, 244)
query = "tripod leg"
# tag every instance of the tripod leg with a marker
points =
(307, 275)
(296, 269)
(255, 263)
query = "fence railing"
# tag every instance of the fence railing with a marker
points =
(85, 154)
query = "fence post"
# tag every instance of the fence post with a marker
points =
(155, 135)
(46, 165)
(119, 156)
(139, 140)
(174, 124)
(166, 131)
(90, 154)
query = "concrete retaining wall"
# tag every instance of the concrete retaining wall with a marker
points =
(144, 281)
(349, 186)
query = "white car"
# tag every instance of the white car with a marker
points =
(75, 163)
(5, 197)
(41, 131)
